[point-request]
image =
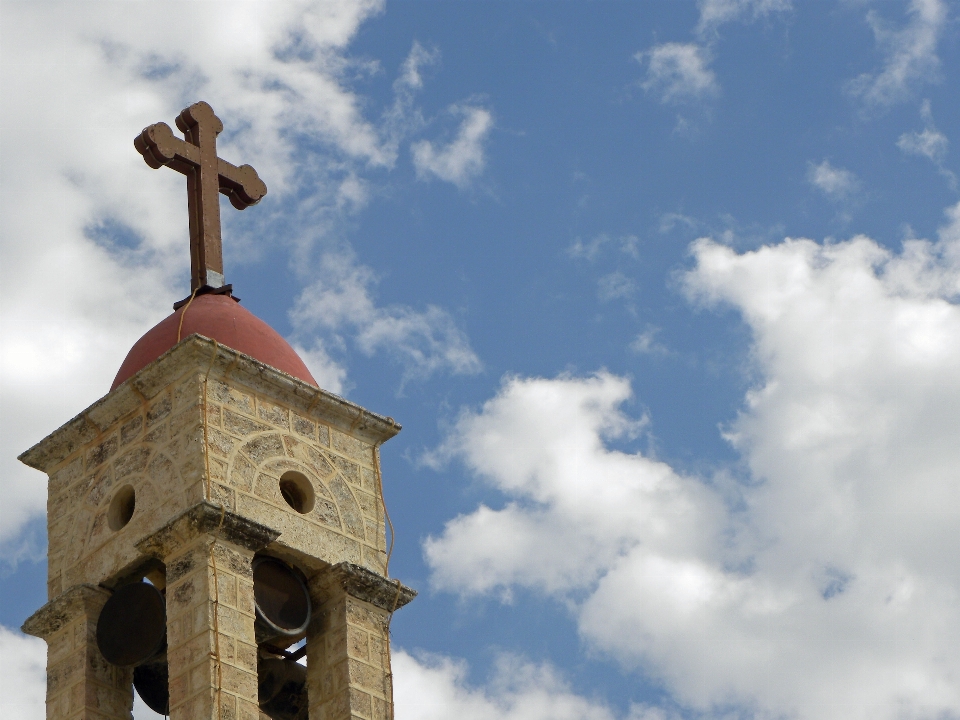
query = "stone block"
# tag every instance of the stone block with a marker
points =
(351, 447)
(158, 410)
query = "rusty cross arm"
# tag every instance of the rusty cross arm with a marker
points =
(207, 176)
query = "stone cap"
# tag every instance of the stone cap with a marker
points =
(366, 585)
(205, 517)
(65, 608)
(201, 354)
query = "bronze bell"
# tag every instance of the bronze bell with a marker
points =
(132, 631)
(282, 688)
(282, 603)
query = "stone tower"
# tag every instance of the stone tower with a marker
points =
(211, 456)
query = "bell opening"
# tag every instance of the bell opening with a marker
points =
(282, 601)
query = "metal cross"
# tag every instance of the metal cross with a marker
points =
(207, 175)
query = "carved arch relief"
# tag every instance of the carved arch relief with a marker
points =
(258, 464)
(127, 499)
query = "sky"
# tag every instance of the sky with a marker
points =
(664, 293)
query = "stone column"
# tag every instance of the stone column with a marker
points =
(211, 644)
(348, 664)
(81, 684)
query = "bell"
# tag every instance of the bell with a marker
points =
(132, 627)
(151, 681)
(282, 688)
(132, 630)
(282, 603)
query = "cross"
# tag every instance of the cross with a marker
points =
(207, 175)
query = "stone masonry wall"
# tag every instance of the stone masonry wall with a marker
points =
(195, 639)
(347, 660)
(158, 450)
(254, 441)
(81, 685)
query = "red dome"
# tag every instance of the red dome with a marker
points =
(221, 318)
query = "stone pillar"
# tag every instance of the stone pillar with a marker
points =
(81, 684)
(348, 665)
(211, 643)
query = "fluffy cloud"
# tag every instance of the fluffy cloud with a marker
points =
(910, 53)
(714, 13)
(678, 72)
(328, 373)
(435, 688)
(822, 584)
(591, 250)
(576, 504)
(424, 342)
(23, 663)
(836, 183)
(929, 143)
(615, 286)
(462, 159)
(404, 117)
(646, 343)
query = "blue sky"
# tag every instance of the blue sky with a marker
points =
(663, 293)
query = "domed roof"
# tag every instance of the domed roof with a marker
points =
(223, 319)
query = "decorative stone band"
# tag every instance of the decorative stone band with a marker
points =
(198, 354)
(203, 518)
(363, 584)
(78, 601)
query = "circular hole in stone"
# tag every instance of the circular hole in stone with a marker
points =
(122, 507)
(297, 491)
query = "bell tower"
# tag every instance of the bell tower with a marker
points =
(216, 526)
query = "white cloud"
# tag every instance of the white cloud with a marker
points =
(462, 159)
(714, 13)
(615, 286)
(411, 72)
(646, 343)
(836, 183)
(678, 72)
(436, 688)
(824, 587)
(578, 504)
(929, 143)
(911, 54)
(404, 117)
(424, 342)
(590, 250)
(23, 684)
(329, 374)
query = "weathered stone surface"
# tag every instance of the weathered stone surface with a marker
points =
(197, 352)
(78, 601)
(80, 682)
(202, 518)
(361, 583)
(348, 668)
